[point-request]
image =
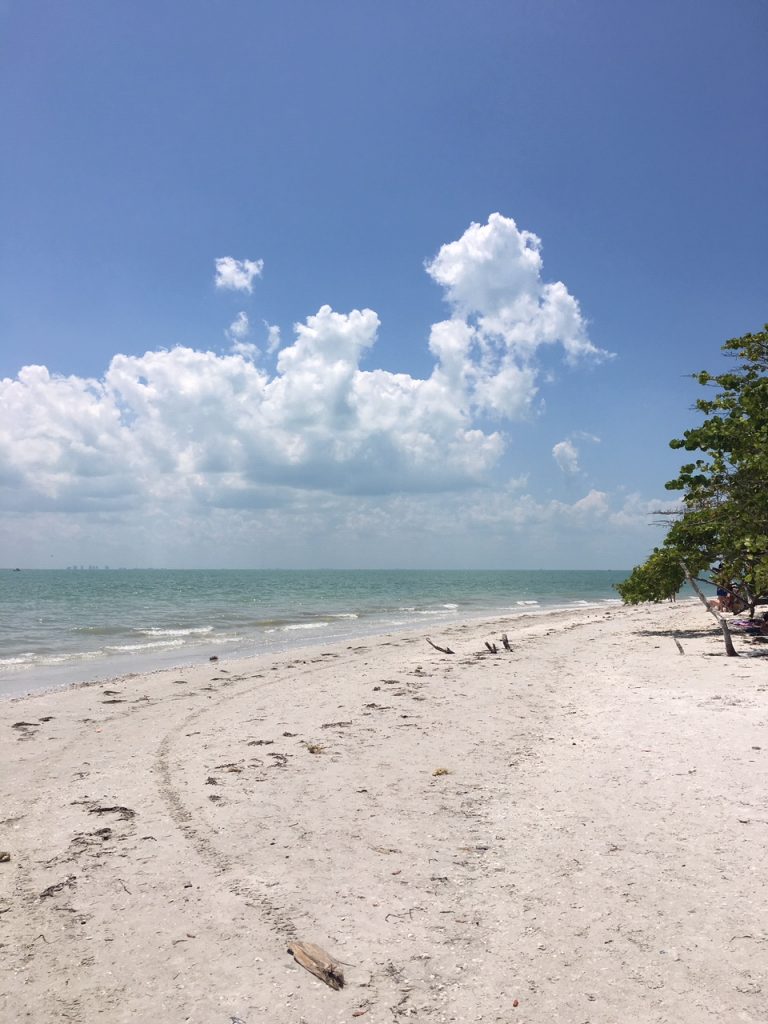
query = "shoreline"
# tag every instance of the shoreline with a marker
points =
(63, 627)
(150, 665)
(571, 830)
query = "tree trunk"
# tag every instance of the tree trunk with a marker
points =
(730, 650)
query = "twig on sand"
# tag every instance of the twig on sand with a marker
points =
(126, 813)
(408, 913)
(443, 650)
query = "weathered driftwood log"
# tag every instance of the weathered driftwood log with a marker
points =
(443, 650)
(492, 648)
(315, 960)
(679, 645)
(505, 641)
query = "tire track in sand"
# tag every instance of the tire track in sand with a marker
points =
(200, 837)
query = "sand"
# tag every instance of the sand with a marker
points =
(574, 831)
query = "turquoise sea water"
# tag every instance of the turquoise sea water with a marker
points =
(59, 627)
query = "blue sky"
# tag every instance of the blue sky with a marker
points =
(345, 149)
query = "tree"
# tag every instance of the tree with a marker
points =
(719, 534)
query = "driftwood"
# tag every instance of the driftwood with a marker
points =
(315, 960)
(505, 641)
(679, 645)
(443, 650)
(492, 648)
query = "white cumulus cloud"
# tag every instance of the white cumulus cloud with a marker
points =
(566, 455)
(207, 434)
(239, 327)
(237, 332)
(492, 277)
(237, 275)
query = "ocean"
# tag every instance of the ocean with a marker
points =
(58, 627)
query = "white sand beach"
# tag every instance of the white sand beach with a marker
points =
(572, 831)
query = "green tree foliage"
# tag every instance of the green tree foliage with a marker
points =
(721, 531)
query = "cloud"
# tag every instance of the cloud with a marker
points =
(237, 332)
(594, 503)
(295, 528)
(492, 277)
(273, 337)
(566, 455)
(237, 275)
(211, 435)
(219, 429)
(239, 328)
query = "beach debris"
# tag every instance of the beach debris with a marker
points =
(260, 743)
(678, 645)
(4, 856)
(68, 883)
(443, 650)
(407, 913)
(441, 771)
(315, 748)
(492, 648)
(25, 725)
(126, 813)
(84, 842)
(214, 657)
(334, 725)
(315, 960)
(505, 641)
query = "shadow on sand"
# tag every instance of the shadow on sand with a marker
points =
(681, 634)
